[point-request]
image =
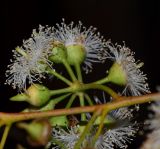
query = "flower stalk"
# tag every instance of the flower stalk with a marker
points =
(87, 129)
(79, 73)
(70, 71)
(59, 76)
(5, 134)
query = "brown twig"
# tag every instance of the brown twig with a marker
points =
(6, 118)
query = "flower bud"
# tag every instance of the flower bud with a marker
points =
(107, 121)
(81, 128)
(58, 54)
(49, 106)
(75, 54)
(59, 121)
(36, 95)
(117, 75)
(39, 132)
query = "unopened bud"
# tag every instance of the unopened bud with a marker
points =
(59, 121)
(36, 95)
(39, 132)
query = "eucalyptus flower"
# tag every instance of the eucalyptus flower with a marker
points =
(153, 141)
(120, 134)
(153, 138)
(29, 62)
(119, 131)
(67, 137)
(82, 44)
(117, 135)
(126, 71)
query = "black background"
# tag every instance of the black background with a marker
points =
(134, 21)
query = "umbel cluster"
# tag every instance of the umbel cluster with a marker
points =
(98, 122)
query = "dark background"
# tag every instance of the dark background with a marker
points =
(134, 21)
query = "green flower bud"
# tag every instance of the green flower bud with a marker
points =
(117, 75)
(75, 54)
(36, 95)
(81, 128)
(107, 121)
(49, 106)
(59, 54)
(19, 97)
(59, 121)
(39, 132)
